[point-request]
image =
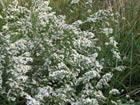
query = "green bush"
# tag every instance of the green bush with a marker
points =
(47, 58)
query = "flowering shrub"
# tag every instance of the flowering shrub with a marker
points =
(45, 61)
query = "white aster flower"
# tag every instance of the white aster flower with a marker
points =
(114, 92)
(74, 1)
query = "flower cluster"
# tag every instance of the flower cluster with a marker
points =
(45, 61)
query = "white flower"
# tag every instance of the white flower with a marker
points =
(22, 78)
(114, 92)
(104, 80)
(100, 95)
(114, 103)
(43, 92)
(90, 19)
(1, 17)
(107, 31)
(32, 101)
(120, 68)
(74, 1)
(89, 1)
(112, 41)
(5, 27)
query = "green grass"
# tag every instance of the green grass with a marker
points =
(128, 33)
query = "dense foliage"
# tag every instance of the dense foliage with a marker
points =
(47, 60)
